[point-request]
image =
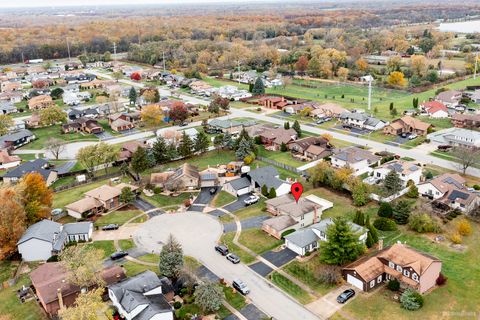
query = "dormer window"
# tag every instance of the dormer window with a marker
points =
(406, 273)
(391, 264)
(415, 276)
(399, 269)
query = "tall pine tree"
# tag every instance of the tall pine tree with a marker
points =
(159, 150)
(201, 142)
(392, 182)
(297, 128)
(132, 95)
(258, 87)
(139, 161)
(185, 148)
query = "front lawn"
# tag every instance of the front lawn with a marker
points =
(126, 244)
(279, 156)
(252, 211)
(291, 288)
(150, 257)
(160, 200)
(132, 268)
(222, 198)
(235, 299)
(105, 245)
(117, 217)
(227, 239)
(308, 273)
(12, 308)
(42, 135)
(258, 241)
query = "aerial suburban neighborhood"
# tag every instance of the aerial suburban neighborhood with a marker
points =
(242, 160)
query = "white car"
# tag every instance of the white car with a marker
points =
(251, 200)
(412, 136)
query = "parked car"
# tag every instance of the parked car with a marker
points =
(347, 126)
(345, 296)
(241, 287)
(112, 226)
(251, 200)
(183, 124)
(412, 136)
(233, 258)
(118, 255)
(212, 190)
(222, 249)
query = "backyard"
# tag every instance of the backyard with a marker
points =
(42, 135)
(160, 200)
(279, 156)
(117, 217)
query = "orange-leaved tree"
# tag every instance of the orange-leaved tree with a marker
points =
(12, 221)
(36, 197)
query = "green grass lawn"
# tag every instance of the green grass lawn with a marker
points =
(7, 270)
(460, 294)
(235, 299)
(160, 200)
(291, 288)
(222, 198)
(30, 156)
(191, 262)
(284, 173)
(227, 239)
(12, 308)
(226, 218)
(150, 257)
(279, 156)
(105, 245)
(252, 211)
(140, 219)
(42, 135)
(132, 268)
(258, 241)
(126, 244)
(308, 273)
(118, 217)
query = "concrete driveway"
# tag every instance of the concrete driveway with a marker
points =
(124, 232)
(237, 205)
(198, 234)
(327, 305)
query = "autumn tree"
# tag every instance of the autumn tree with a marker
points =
(171, 258)
(136, 76)
(86, 306)
(12, 221)
(468, 157)
(91, 157)
(178, 112)
(397, 79)
(55, 146)
(151, 95)
(301, 65)
(151, 115)
(117, 75)
(418, 65)
(6, 122)
(83, 266)
(52, 115)
(219, 103)
(361, 64)
(36, 197)
(343, 73)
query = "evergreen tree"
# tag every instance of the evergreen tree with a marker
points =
(412, 191)
(391, 106)
(342, 245)
(171, 152)
(201, 142)
(401, 212)
(209, 296)
(258, 87)
(218, 141)
(159, 150)
(392, 182)
(227, 140)
(250, 87)
(371, 229)
(139, 162)
(385, 210)
(369, 242)
(132, 95)
(185, 148)
(283, 147)
(286, 125)
(243, 149)
(297, 128)
(359, 218)
(265, 190)
(171, 258)
(272, 194)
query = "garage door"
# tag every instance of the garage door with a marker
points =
(242, 191)
(354, 281)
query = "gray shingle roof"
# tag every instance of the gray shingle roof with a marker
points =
(28, 167)
(302, 237)
(240, 183)
(42, 230)
(15, 136)
(77, 228)
(266, 176)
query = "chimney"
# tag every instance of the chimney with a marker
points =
(380, 244)
(60, 298)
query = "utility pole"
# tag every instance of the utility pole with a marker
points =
(475, 72)
(163, 59)
(68, 49)
(370, 92)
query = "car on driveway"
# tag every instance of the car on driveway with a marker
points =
(212, 191)
(112, 226)
(233, 258)
(251, 200)
(222, 249)
(345, 295)
(119, 255)
(412, 136)
(241, 287)
(183, 124)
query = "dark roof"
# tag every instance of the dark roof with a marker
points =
(456, 194)
(266, 176)
(36, 165)
(240, 183)
(15, 136)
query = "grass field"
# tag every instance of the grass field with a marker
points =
(12, 308)
(308, 273)
(258, 241)
(42, 135)
(126, 244)
(105, 245)
(222, 198)
(291, 288)
(227, 238)
(279, 156)
(118, 217)
(160, 200)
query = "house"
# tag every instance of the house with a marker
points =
(7, 161)
(456, 137)
(328, 110)
(85, 125)
(129, 148)
(238, 187)
(13, 97)
(407, 124)
(200, 87)
(46, 238)
(311, 147)
(359, 160)
(186, 176)
(53, 290)
(10, 86)
(435, 109)
(75, 113)
(406, 171)
(450, 189)
(410, 267)
(300, 214)
(277, 103)
(96, 84)
(40, 102)
(40, 166)
(121, 122)
(7, 107)
(307, 239)
(296, 108)
(17, 139)
(273, 138)
(362, 121)
(70, 98)
(470, 121)
(255, 180)
(102, 199)
(449, 98)
(33, 121)
(143, 297)
(209, 178)
(234, 127)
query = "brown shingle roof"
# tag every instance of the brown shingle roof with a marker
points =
(104, 193)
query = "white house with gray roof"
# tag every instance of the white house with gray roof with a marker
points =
(255, 180)
(359, 160)
(406, 171)
(362, 120)
(141, 297)
(307, 240)
(46, 238)
(456, 137)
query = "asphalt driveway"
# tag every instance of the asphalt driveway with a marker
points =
(261, 268)
(66, 167)
(237, 205)
(279, 258)
(327, 305)
(204, 197)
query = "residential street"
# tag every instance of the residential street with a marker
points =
(198, 234)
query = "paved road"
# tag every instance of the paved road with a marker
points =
(198, 234)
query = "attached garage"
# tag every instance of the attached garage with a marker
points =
(355, 282)
(238, 187)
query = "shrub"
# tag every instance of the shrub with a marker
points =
(265, 190)
(249, 159)
(385, 210)
(385, 224)
(272, 194)
(464, 227)
(412, 191)
(456, 238)
(441, 280)
(187, 203)
(393, 285)
(423, 223)
(283, 147)
(157, 190)
(177, 305)
(53, 258)
(287, 232)
(330, 275)
(428, 175)
(411, 300)
(476, 187)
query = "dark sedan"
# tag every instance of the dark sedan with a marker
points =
(345, 296)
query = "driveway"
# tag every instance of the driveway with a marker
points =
(261, 268)
(66, 167)
(198, 233)
(237, 205)
(327, 305)
(124, 232)
(204, 197)
(104, 135)
(143, 205)
(279, 258)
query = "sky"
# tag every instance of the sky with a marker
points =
(47, 3)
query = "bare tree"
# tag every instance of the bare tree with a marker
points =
(114, 102)
(55, 146)
(468, 157)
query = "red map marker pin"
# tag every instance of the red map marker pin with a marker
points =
(296, 190)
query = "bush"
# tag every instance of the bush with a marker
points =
(423, 223)
(456, 238)
(441, 280)
(330, 275)
(428, 175)
(283, 147)
(385, 224)
(393, 285)
(177, 305)
(53, 258)
(476, 187)
(385, 210)
(287, 232)
(411, 300)
(464, 227)
(157, 190)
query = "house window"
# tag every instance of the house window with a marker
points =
(303, 217)
(406, 273)
(372, 283)
(399, 269)
(415, 277)
(391, 264)
(379, 279)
